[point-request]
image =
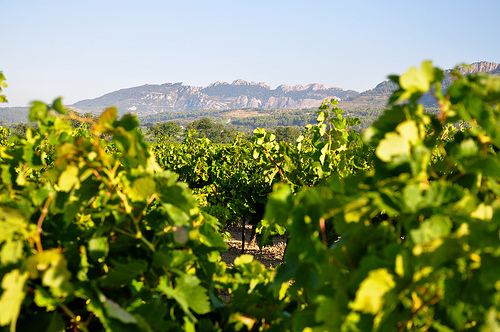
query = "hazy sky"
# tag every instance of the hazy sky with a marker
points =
(84, 49)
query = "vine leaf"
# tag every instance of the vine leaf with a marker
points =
(124, 272)
(371, 291)
(188, 293)
(12, 296)
(434, 227)
(115, 311)
(98, 248)
(51, 266)
(69, 179)
(11, 222)
(398, 143)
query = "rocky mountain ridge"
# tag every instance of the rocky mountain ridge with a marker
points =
(151, 99)
(482, 66)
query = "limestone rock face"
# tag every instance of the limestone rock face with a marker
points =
(168, 97)
(482, 66)
(254, 103)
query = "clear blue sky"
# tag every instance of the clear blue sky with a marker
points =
(84, 49)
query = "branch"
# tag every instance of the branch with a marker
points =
(45, 211)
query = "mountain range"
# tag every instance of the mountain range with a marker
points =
(151, 99)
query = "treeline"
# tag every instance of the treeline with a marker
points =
(182, 117)
(298, 118)
(266, 118)
(218, 126)
(287, 126)
(216, 132)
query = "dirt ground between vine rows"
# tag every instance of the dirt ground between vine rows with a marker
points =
(270, 256)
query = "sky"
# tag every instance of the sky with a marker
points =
(85, 49)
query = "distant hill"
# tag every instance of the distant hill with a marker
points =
(175, 97)
(14, 114)
(378, 96)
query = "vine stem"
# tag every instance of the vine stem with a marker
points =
(70, 313)
(348, 258)
(285, 180)
(441, 116)
(323, 231)
(45, 211)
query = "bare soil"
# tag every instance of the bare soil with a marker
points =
(270, 256)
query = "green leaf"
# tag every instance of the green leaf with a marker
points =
(408, 130)
(43, 299)
(492, 321)
(107, 118)
(468, 148)
(412, 195)
(13, 284)
(11, 221)
(128, 122)
(69, 178)
(142, 189)
(123, 273)
(483, 212)
(355, 210)
(188, 293)
(415, 80)
(2, 83)
(12, 251)
(430, 229)
(369, 296)
(58, 106)
(393, 145)
(98, 248)
(115, 311)
(38, 111)
(56, 323)
(52, 266)
(398, 144)
(57, 276)
(211, 238)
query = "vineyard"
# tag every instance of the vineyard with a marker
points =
(396, 228)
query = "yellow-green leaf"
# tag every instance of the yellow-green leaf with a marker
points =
(69, 179)
(414, 80)
(369, 297)
(12, 296)
(391, 146)
(408, 130)
(142, 189)
(483, 212)
(59, 107)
